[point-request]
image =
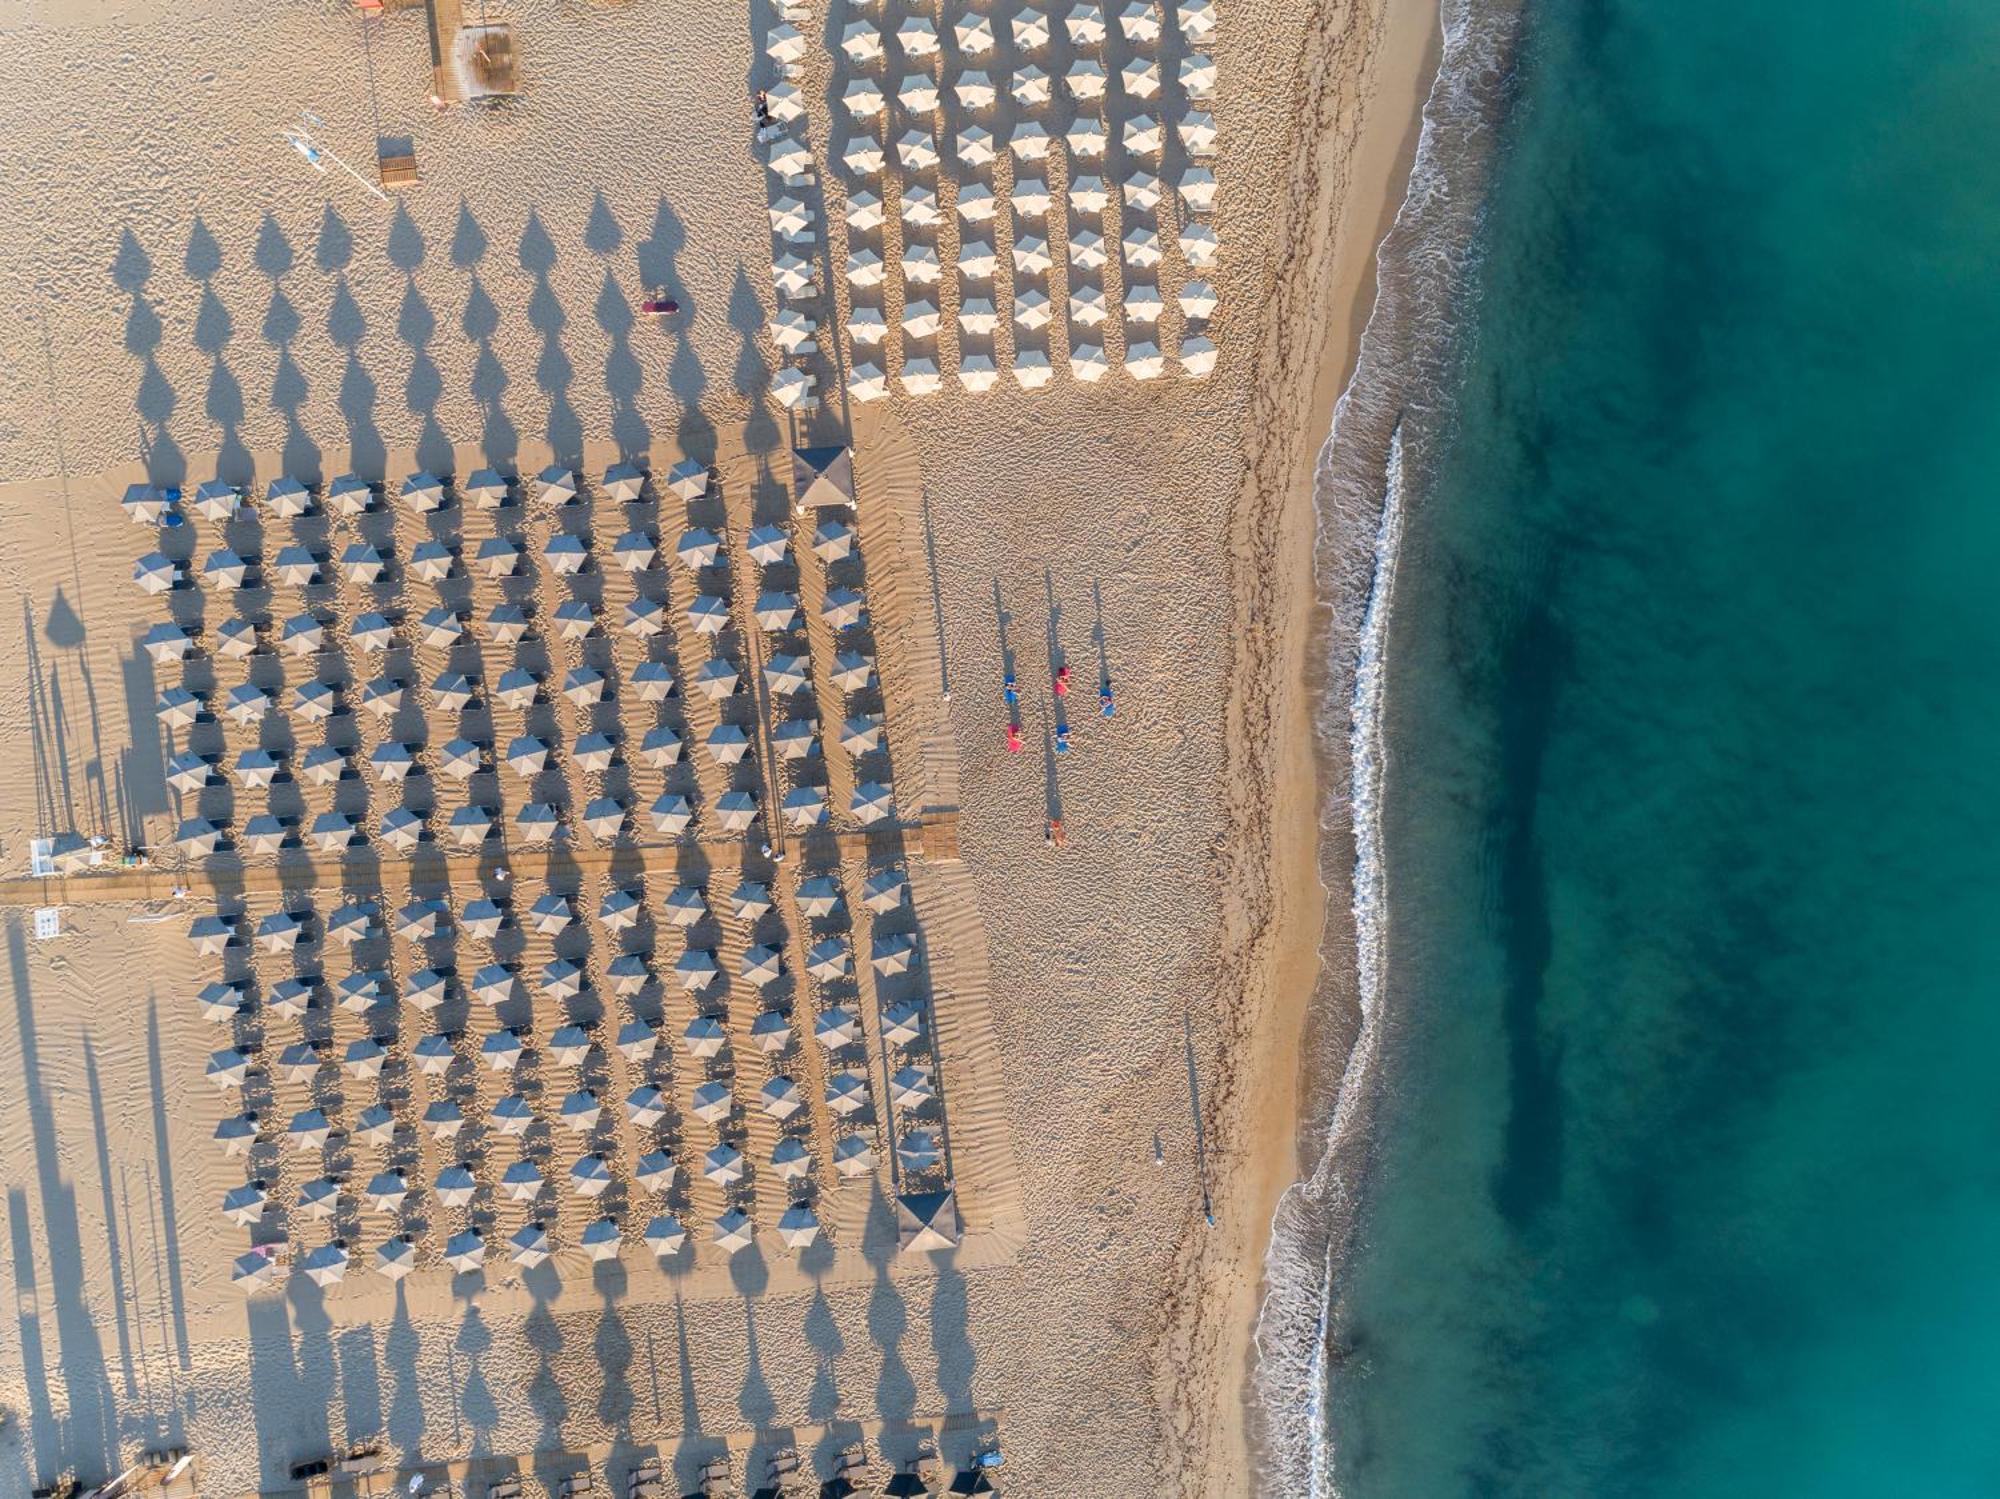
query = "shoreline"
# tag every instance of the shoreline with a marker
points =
(1343, 200)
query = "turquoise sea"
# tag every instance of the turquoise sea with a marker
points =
(1686, 1168)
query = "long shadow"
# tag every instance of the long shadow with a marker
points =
(288, 1423)
(347, 327)
(155, 399)
(164, 1163)
(622, 375)
(273, 256)
(416, 326)
(400, 1349)
(113, 1241)
(360, 1381)
(888, 1316)
(499, 439)
(956, 1355)
(213, 329)
(823, 1337)
(554, 374)
(89, 1434)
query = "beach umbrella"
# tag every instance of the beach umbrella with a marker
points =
(333, 831)
(634, 551)
(551, 915)
(1197, 356)
(920, 318)
(688, 479)
(780, 1098)
(624, 482)
(917, 151)
(386, 1191)
(804, 807)
(892, 955)
(452, 691)
(837, 1027)
(927, 1221)
(197, 835)
(736, 810)
(712, 1104)
(708, 615)
(654, 1171)
(364, 1059)
(296, 566)
(465, 1252)
(884, 891)
(581, 1110)
(1031, 31)
(696, 969)
(527, 756)
(326, 1265)
(425, 989)
(1085, 139)
(1198, 244)
(783, 44)
(188, 772)
(167, 643)
(224, 569)
(221, 1002)
(867, 325)
(371, 634)
(975, 90)
(911, 1087)
(471, 826)
(704, 1037)
(672, 814)
(727, 744)
(723, 1165)
(1197, 75)
(619, 910)
(601, 1239)
(567, 555)
(903, 1024)
(522, 1181)
(423, 492)
(561, 979)
(444, 1119)
(920, 206)
(644, 1106)
(920, 264)
(853, 1156)
(1087, 195)
(920, 1150)
(750, 900)
(217, 501)
(1142, 191)
(827, 960)
(513, 1114)
(862, 733)
(482, 918)
(864, 212)
(302, 635)
(589, 1176)
(396, 1259)
(1139, 21)
(1030, 197)
(793, 331)
(832, 541)
(257, 769)
(698, 548)
(1029, 85)
(1087, 362)
(517, 688)
(1143, 360)
(861, 41)
(383, 697)
(798, 1227)
(792, 275)
(660, 748)
(665, 1236)
(1196, 17)
(1141, 135)
(350, 495)
(783, 101)
(392, 762)
(455, 1187)
(485, 489)
(976, 315)
(244, 1205)
(555, 485)
(862, 157)
(862, 98)
(791, 1158)
(324, 764)
(644, 618)
(145, 504)
(975, 38)
(768, 545)
(1143, 303)
(236, 639)
(308, 1130)
(280, 931)
(976, 203)
(210, 934)
(977, 260)
(1140, 78)
(847, 1093)
(583, 685)
(637, 1040)
(790, 217)
(314, 701)
(376, 1125)
(254, 1270)
(734, 1230)
(1197, 189)
(402, 829)
(761, 966)
(917, 36)
(852, 671)
(974, 147)
(771, 1032)
(1030, 141)
(498, 557)
(1031, 310)
(529, 1246)
(685, 905)
(776, 610)
(299, 1062)
(502, 1051)
(843, 608)
(432, 561)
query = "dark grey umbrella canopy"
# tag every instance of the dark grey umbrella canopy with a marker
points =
(822, 476)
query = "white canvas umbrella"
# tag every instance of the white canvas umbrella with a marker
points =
(444, 1119)
(1087, 362)
(828, 960)
(580, 1111)
(736, 810)
(637, 1040)
(917, 36)
(1031, 32)
(790, 217)
(364, 1059)
(672, 814)
(791, 1158)
(920, 1151)
(1087, 195)
(976, 260)
(485, 489)
(798, 1227)
(1142, 248)
(870, 803)
(455, 1187)
(792, 275)
(308, 1130)
(1031, 310)
(423, 492)
(652, 681)
(1197, 132)
(861, 41)
(1143, 303)
(1197, 75)
(903, 1024)
(975, 146)
(723, 1165)
(350, 495)
(750, 900)
(777, 610)
(362, 563)
(919, 205)
(734, 1231)
(1085, 79)
(224, 569)
(833, 540)
(502, 1051)
(862, 733)
(430, 560)
(167, 643)
(795, 739)
(1086, 249)
(917, 151)
(783, 44)
(1198, 244)
(601, 1240)
(866, 325)
(862, 157)
(217, 501)
(561, 979)
(1139, 21)
(892, 955)
(698, 547)
(1197, 189)
(685, 905)
(386, 1191)
(522, 1181)
(708, 615)
(818, 896)
(920, 318)
(665, 1236)
(779, 1098)
(1030, 198)
(717, 678)
(696, 969)
(1197, 299)
(221, 1003)
(326, 1265)
(712, 1103)
(254, 1270)
(465, 1252)
(589, 1176)
(976, 203)
(837, 1027)
(786, 672)
(911, 1087)
(920, 376)
(644, 1106)
(529, 1246)
(792, 330)
(761, 966)
(862, 97)
(319, 1199)
(847, 1093)
(864, 211)
(884, 891)
(789, 158)
(704, 1037)
(852, 671)
(296, 566)
(1086, 307)
(513, 1114)
(655, 1171)
(1085, 139)
(974, 34)
(1196, 17)
(791, 386)
(688, 479)
(975, 90)
(864, 267)
(784, 101)
(1142, 191)
(634, 551)
(920, 264)
(555, 485)
(1140, 78)
(767, 544)
(771, 1032)
(1197, 356)
(1030, 141)
(471, 826)
(146, 505)
(853, 1156)
(977, 372)
(1143, 360)
(1141, 135)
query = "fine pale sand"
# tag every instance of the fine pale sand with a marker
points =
(180, 296)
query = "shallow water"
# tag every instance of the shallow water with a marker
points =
(1687, 1182)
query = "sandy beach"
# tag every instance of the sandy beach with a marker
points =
(1116, 1023)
